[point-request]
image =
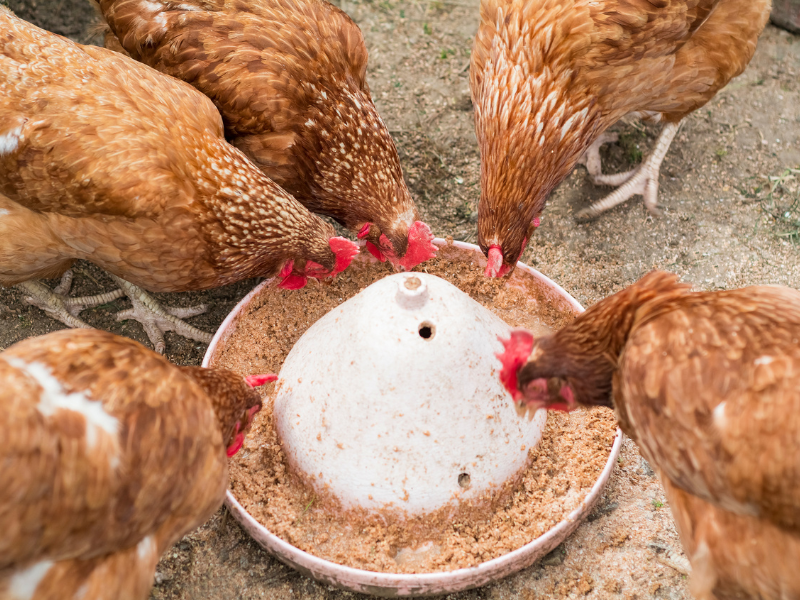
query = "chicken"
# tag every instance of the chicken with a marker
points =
(289, 78)
(708, 385)
(110, 454)
(105, 159)
(549, 76)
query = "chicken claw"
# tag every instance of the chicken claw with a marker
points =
(61, 307)
(591, 158)
(156, 319)
(642, 180)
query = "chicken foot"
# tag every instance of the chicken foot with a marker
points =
(156, 319)
(591, 158)
(61, 307)
(642, 180)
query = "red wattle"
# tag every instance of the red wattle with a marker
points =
(375, 251)
(566, 393)
(287, 269)
(294, 281)
(315, 270)
(364, 231)
(517, 350)
(238, 442)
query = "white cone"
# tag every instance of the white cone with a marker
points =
(392, 399)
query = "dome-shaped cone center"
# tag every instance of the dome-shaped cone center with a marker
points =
(392, 400)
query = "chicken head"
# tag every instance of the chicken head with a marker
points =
(111, 454)
(234, 399)
(415, 246)
(294, 274)
(301, 111)
(548, 78)
(553, 393)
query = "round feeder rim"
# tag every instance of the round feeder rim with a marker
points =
(417, 584)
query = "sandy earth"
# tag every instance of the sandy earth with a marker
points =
(729, 221)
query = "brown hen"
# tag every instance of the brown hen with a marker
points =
(549, 76)
(105, 159)
(708, 385)
(110, 454)
(289, 78)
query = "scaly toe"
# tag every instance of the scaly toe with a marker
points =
(64, 308)
(76, 305)
(187, 312)
(157, 320)
(63, 287)
(591, 157)
(615, 179)
(633, 186)
(643, 180)
(55, 308)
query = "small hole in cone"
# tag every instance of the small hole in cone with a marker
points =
(427, 330)
(463, 480)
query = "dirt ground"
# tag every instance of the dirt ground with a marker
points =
(731, 218)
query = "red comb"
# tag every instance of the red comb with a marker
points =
(258, 380)
(517, 350)
(345, 250)
(420, 246)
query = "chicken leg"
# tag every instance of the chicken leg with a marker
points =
(61, 307)
(591, 158)
(156, 319)
(641, 180)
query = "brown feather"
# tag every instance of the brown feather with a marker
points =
(78, 491)
(708, 385)
(118, 164)
(548, 77)
(288, 77)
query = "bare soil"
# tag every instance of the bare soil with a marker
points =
(731, 218)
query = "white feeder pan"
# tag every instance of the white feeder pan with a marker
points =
(423, 584)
